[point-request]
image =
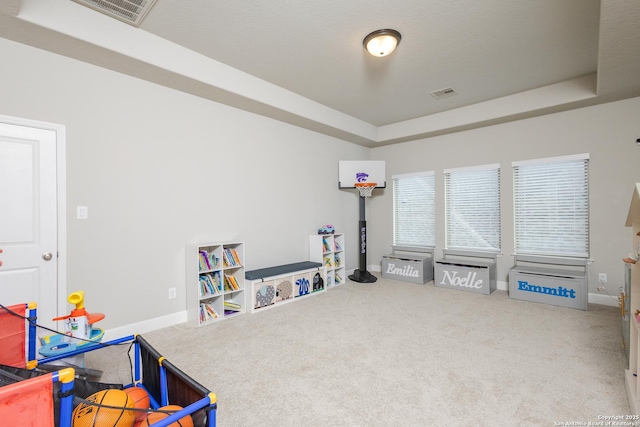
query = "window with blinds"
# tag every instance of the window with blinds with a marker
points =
(414, 209)
(473, 208)
(551, 206)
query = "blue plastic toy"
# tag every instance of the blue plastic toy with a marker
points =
(326, 229)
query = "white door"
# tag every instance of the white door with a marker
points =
(28, 219)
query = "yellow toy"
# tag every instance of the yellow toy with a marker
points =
(79, 330)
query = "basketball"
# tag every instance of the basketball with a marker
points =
(154, 417)
(88, 415)
(140, 399)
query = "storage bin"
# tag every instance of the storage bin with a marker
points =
(466, 275)
(560, 281)
(408, 267)
(548, 285)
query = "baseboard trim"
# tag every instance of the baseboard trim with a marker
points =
(146, 326)
(602, 300)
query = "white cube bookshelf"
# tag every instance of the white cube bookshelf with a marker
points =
(215, 281)
(329, 250)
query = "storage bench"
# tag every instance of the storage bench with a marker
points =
(548, 280)
(466, 271)
(408, 264)
(273, 286)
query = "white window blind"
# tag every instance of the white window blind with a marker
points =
(473, 208)
(551, 206)
(414, 209)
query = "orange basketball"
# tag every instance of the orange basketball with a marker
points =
(140, 399)
(154, 417)
(89, 414)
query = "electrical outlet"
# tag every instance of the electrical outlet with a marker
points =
(172, 293)
(602, 277)
(600, 288)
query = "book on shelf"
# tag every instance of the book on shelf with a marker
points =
(217, 280)
(205, 287)
(231, 258)
(338, 247)
(231, 308)
(338, 261)
(327, 262)
(231, 283)
(228, 305)
(207, 312)
(225, 258)
(236, 256)
(338, 279)
(214, 261)
(205, 264)
(210, 284)
(325, 245)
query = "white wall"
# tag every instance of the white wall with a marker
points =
(159, 169)
(608, 132)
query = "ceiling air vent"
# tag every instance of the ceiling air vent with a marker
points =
(129, 11)
(443, 93)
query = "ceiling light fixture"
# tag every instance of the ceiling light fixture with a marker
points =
(382, 42)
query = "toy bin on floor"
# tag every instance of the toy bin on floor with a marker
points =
(549, 280)
(466, 271)
(33, 399)
(408, 264)
(137, 364)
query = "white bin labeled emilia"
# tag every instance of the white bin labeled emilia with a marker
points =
(475, 273)
(408, 267)
(549, 284)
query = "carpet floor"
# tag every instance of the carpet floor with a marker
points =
(396, 353)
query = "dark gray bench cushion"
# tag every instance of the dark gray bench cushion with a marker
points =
(280, 269)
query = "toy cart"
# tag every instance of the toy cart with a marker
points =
(48, 398)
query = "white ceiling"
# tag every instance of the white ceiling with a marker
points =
(303, 62)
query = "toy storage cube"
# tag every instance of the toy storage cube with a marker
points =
(301, 285)
(318, 280)
(466, 275)
(284, 289)
(274, 286)
(565, 288)
(408, 268)
(264, 294)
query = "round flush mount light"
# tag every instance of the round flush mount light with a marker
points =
(382, 42)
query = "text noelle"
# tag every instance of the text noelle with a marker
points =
(468, 281)
(558, 292)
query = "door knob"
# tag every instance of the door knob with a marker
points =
(47, 256)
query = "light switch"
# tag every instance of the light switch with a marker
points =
(82, 212)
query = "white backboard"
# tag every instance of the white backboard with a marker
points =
(352, 171)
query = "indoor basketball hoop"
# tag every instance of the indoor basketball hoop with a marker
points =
(362, 275)
(364, 175)
(365, 188)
